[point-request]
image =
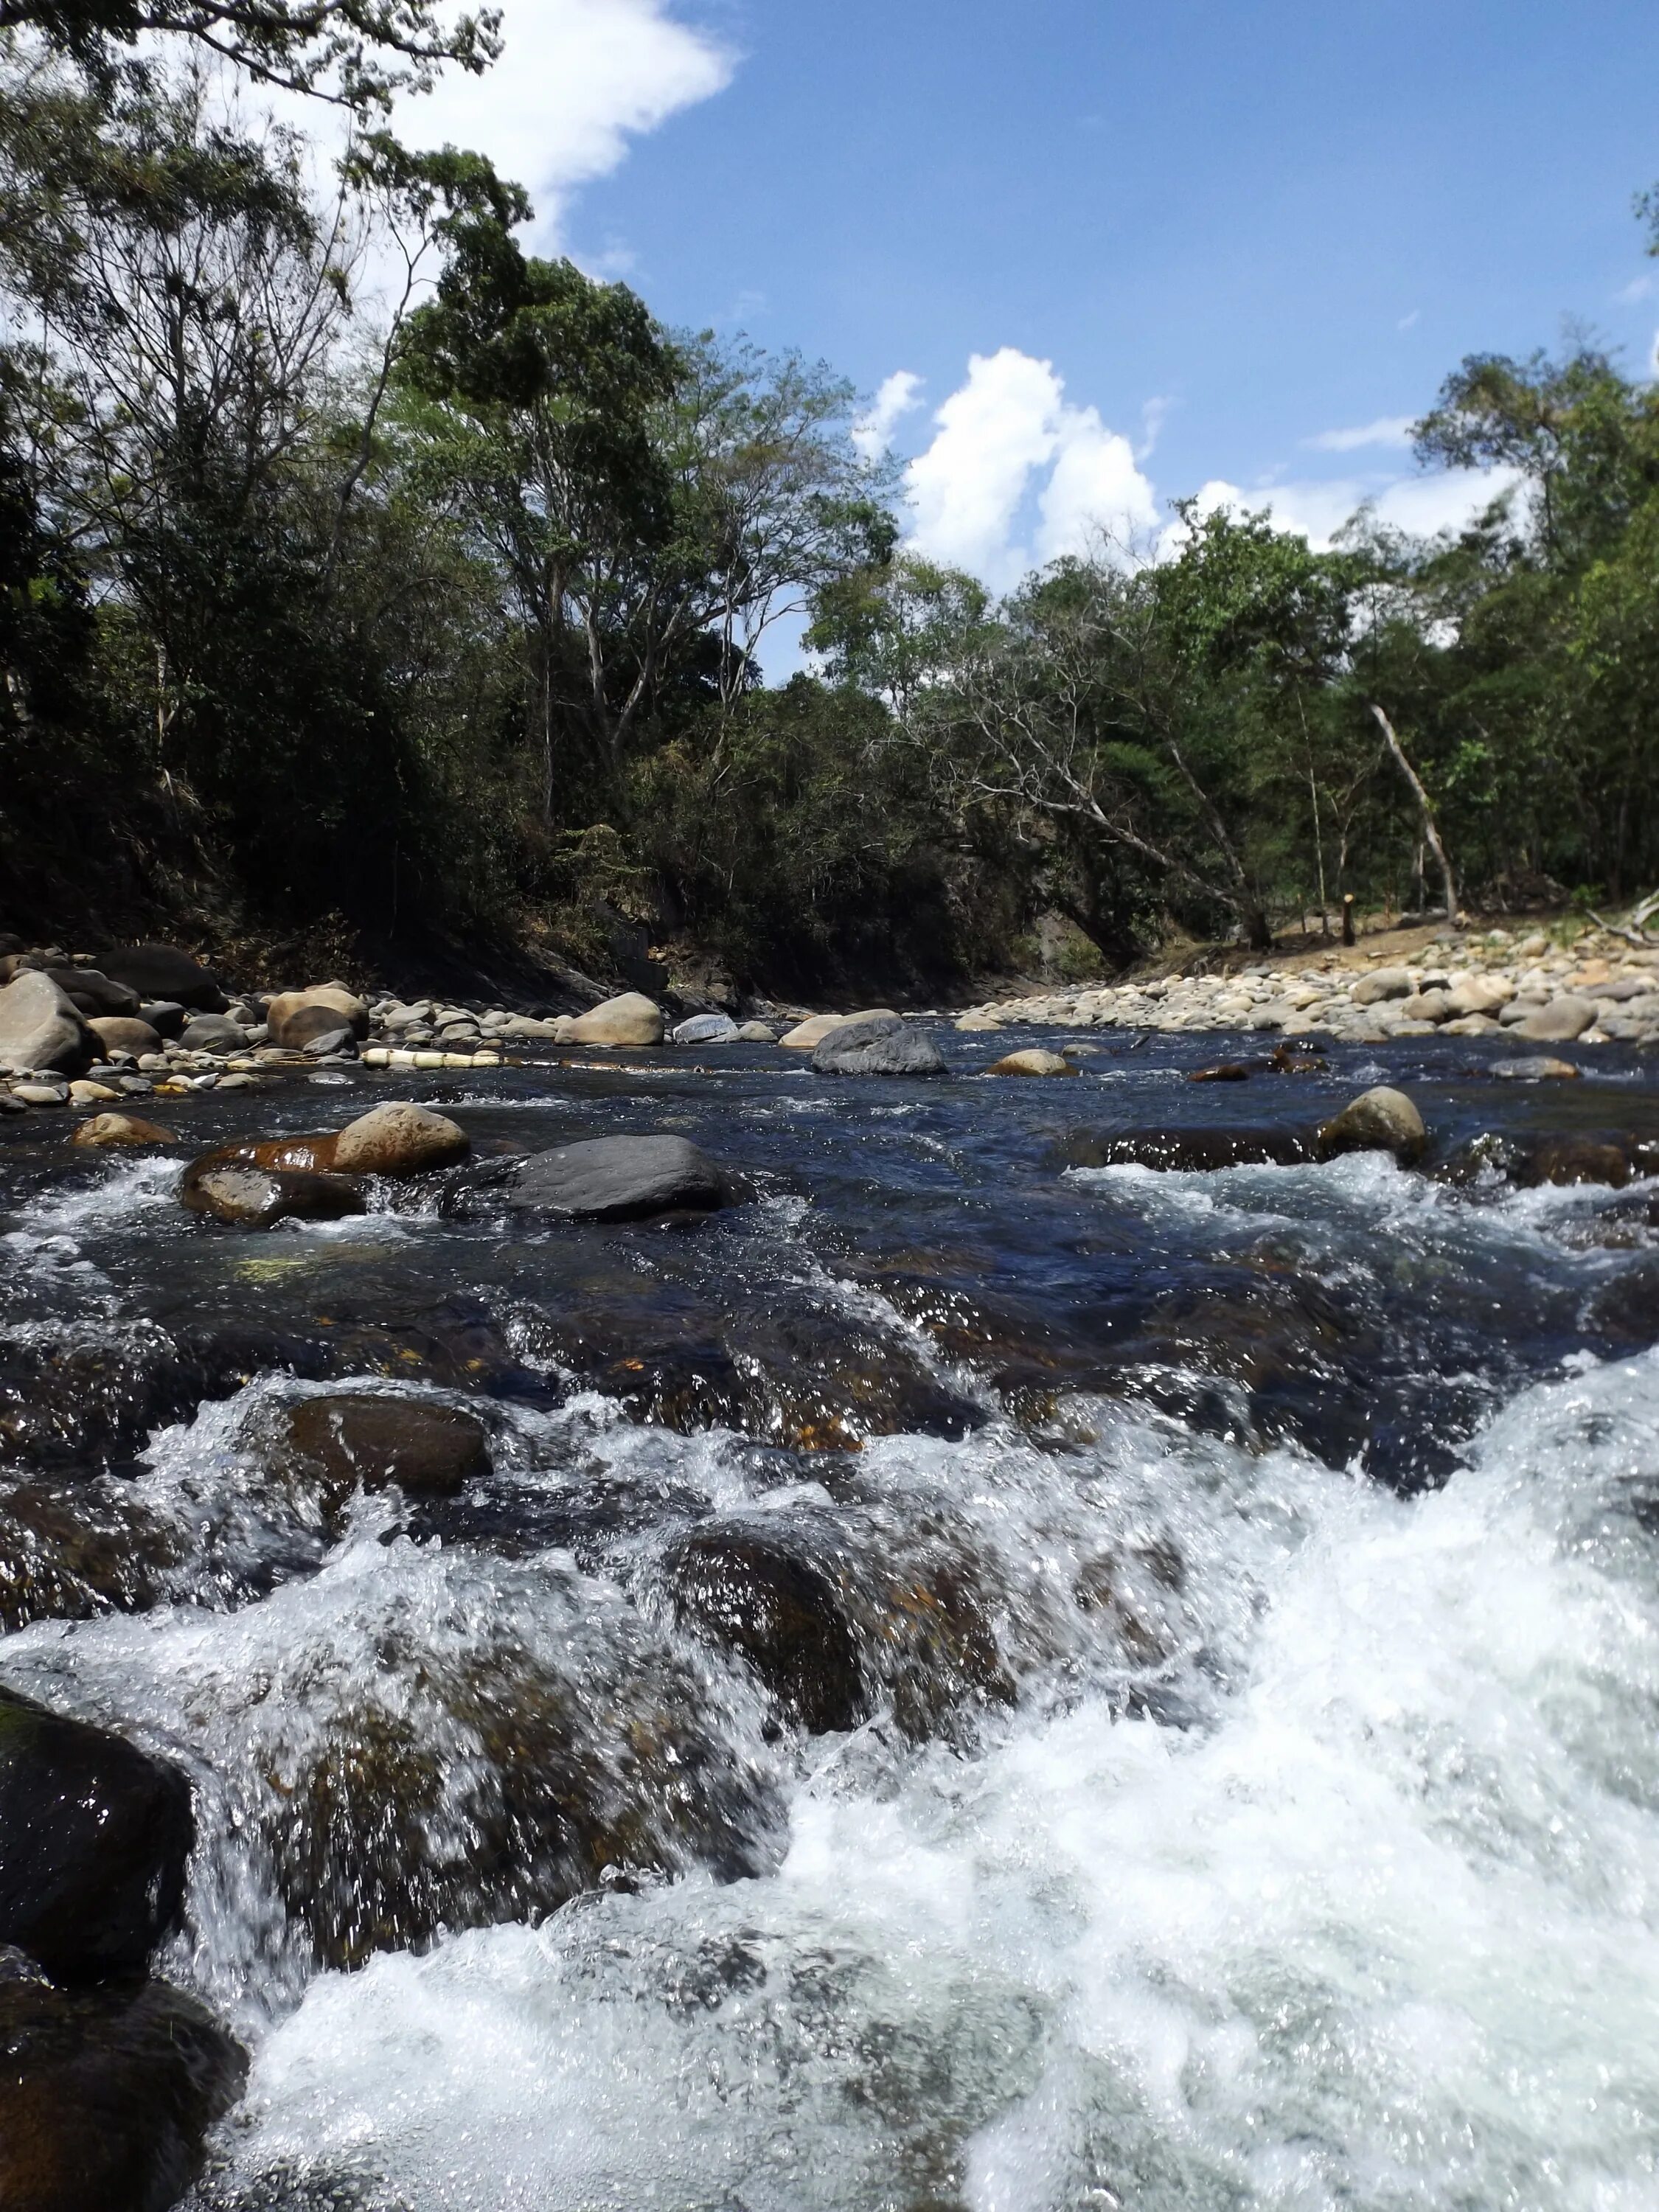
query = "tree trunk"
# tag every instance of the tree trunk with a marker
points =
(1430, 830)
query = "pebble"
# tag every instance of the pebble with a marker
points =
(40, 1094)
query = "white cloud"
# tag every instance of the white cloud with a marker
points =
(969, 488)
(1419, 505)
(1387, 430)
(872, 434)
(576, 79)
(1410, 322)
(1639, 287)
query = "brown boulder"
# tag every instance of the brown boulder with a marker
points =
(631, 1019)
(399, 1139)
(1382, 1120)
(295, 1019)
(1033, 1061)
(258, 1198)
(123, 1033)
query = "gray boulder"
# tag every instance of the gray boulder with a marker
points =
(213, 1033)
(705, 1029)
(1382, 983)
(93, 993)
(881, 1046)
(620, 1179)
(1560, 1021)
(41, 1028)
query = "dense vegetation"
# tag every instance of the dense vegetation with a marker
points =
(358, 566)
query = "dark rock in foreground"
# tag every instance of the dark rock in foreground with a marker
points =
(106, 2095)
(94, 1838)
(258, 1198)
(881, 1047)
(620, 1179)
(746, 1590)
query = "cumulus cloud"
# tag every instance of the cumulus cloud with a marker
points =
(1009, 421)
(872, 434)
(1387, 430)
(577, 79)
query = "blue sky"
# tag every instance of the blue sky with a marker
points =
(1110, 254)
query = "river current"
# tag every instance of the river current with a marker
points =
(1255, 1580)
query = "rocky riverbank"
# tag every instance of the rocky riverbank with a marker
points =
(1597, 989)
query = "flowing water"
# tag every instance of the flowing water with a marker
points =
(1251, 1580)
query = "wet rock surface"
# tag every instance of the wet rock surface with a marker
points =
(619, 1179)
(96, 1835)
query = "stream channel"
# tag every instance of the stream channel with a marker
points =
(966, 1679)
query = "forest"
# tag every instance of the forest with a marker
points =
(365, 577)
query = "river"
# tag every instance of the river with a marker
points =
(1246, 1580)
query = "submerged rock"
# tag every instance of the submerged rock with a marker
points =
(398, 1140)
(258, 1198)
(620, 1179)
(72, 1553)
(1034, 1062)
(1380, 1119)
(877, 1047)
(1538, 1067)
(749, 1589)
(1181, 1151)
(106, 2095)
(369, 1440)
(111, 1132)
(95, 1836)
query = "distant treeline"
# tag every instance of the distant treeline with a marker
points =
(356, 563)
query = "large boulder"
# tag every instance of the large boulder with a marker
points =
(1382, 983)
(620, 1179)
(1382, 1120)
(707, 1029)
(258, 1198)
(106, 2095)
(631, 1019)
(94, 1838)
(112, 1131)
(367, 1440)
(807, 1035)
(162, 971)
(742, 1588)
(124, 1033)
(1559, 1021)
(296, 1019)
(214, 1033)
(40, 1027)
(881, 1047)
(93, 993)
(1033, 1061)
(400, 1140)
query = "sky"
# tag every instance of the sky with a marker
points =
(1083, 258)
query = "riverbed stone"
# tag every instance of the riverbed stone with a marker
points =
(881, 1047)
(620, 1179)
(1382, 983)
(40, 1028)
(92, 993)
(707, 1029)
(630, 1019)
(1033, 1061)
(1536, 1067)
(756, 1033)
(106, 2094)
(215, 1033)
(116, 1033)
(807, 1035)
(398, 1139)
(1379, 1119)
(1559, 1021)
(1181, 1151)
(95, 1835)
(295, 1019)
